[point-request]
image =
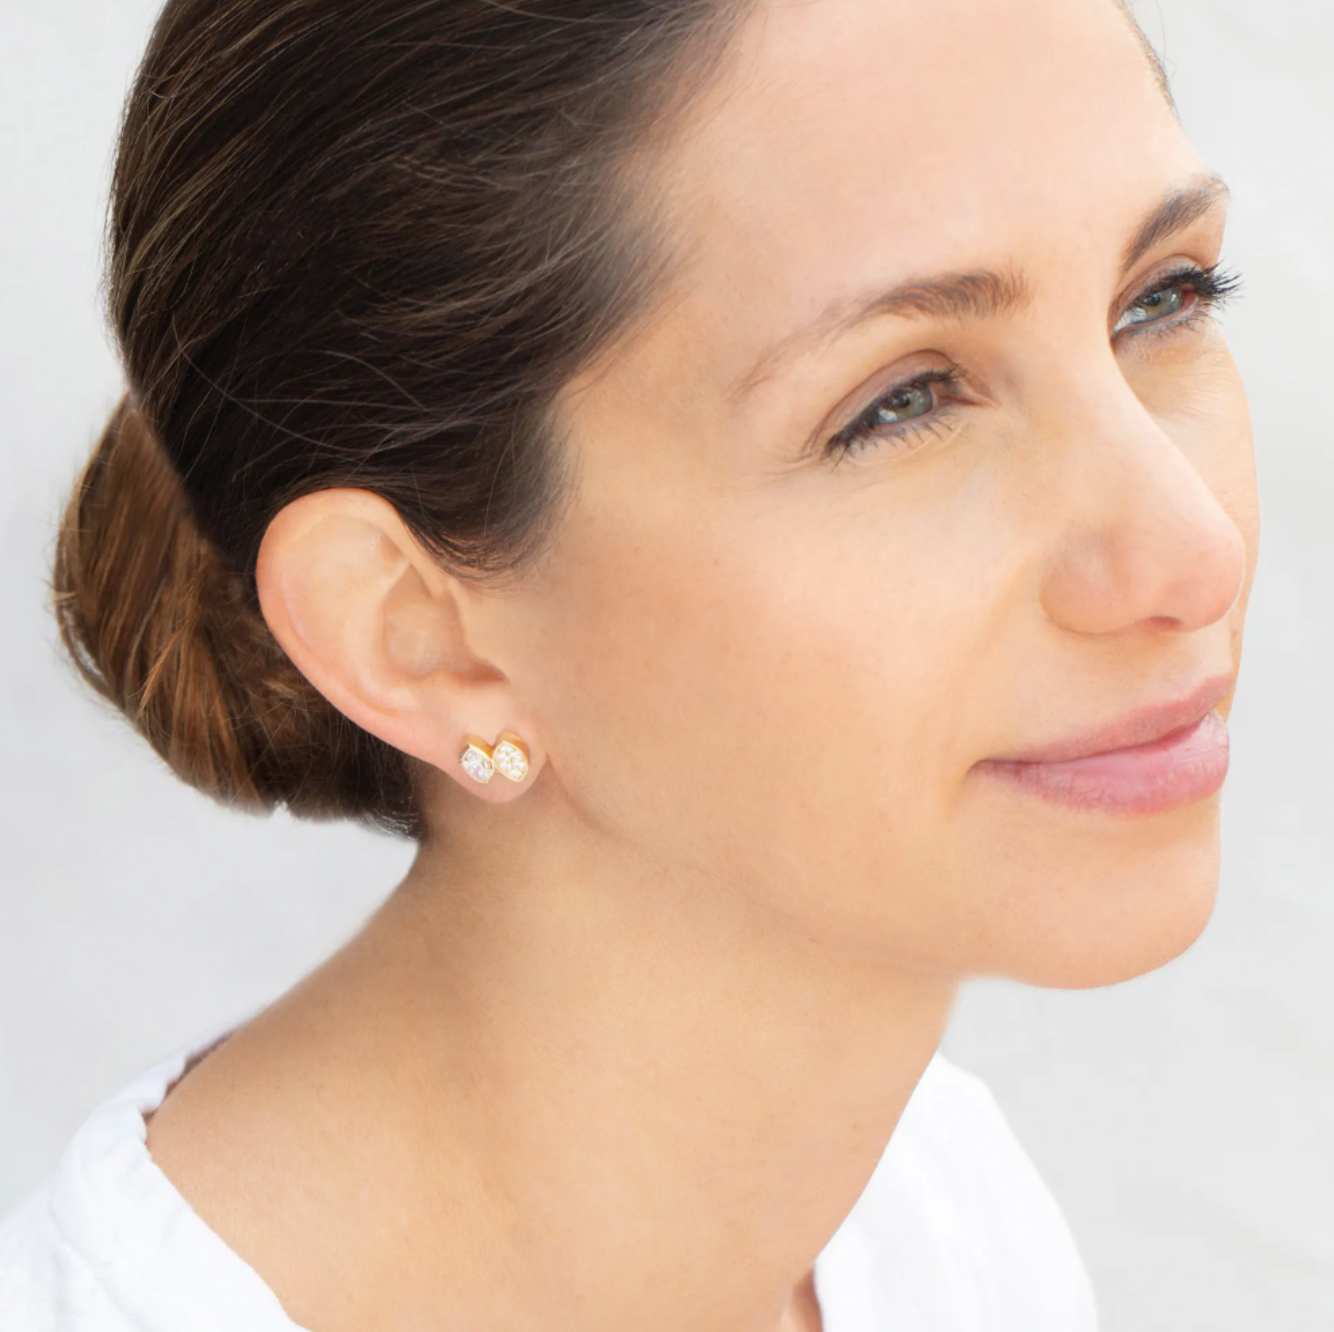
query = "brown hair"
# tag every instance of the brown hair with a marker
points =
(349, 245)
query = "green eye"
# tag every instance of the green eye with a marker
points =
(905, 410)
(905, 404)
(1156, 306)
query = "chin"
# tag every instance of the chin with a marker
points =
(1136, 899)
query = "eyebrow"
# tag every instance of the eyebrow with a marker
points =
(979, 295)
(1179, 210)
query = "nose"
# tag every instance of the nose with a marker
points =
(1145, 541)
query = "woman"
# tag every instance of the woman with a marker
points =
(757, 491)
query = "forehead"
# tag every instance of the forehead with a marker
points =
(851, 142)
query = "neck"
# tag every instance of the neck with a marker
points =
(616, 1096)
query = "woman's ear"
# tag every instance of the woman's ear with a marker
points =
(373, 621)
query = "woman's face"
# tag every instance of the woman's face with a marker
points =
(930, 456)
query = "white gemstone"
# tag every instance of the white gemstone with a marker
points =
(509, 758)
(476, 764)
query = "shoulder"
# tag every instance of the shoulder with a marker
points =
(107, 1244)
(956, 1220)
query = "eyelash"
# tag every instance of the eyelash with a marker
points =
(1211, 287)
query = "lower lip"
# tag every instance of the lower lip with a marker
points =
(1177, 770)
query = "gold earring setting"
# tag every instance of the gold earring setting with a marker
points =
(509, 757)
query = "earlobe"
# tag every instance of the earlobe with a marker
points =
(371, 619)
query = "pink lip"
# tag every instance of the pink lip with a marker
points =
(1158, 758)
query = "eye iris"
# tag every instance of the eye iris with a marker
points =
(1160, 305)
(905, 404)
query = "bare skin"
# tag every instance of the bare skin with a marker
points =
(626, 1045)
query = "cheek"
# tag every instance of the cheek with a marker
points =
(777, 690)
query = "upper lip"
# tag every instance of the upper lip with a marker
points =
(1141, 727)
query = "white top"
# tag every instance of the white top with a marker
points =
(954, 1233)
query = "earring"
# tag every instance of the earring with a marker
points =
(476, 760)
(509, 757)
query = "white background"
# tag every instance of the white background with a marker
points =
(1184, 1120)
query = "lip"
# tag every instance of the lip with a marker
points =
(1156, 758)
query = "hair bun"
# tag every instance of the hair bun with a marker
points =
(158, 624)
